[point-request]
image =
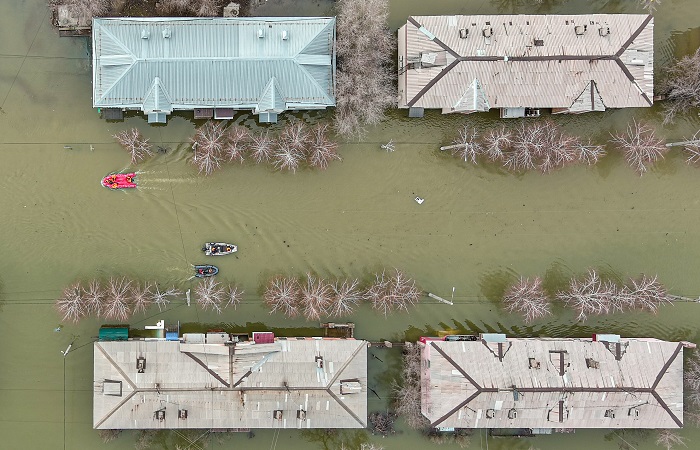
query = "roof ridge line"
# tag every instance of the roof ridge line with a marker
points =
(363, 344)
(116, 366)
(634, 35)
(346, 408)
(457, 366)
(115, 409)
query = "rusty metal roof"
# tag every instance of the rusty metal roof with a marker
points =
(527, 61)
(553, 383)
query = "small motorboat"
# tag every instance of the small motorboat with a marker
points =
(119, 181)
(207, 270)
(218, 248)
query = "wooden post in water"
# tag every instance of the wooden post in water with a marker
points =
(440, 299)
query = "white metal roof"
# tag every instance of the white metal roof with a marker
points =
(165, 64)
(528, 61)
(553, 383)
(224, 386)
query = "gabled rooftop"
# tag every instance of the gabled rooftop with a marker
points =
(225, 63)
(553, 383)
(288, 383)
(538, 61)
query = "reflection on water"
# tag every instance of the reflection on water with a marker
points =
(479, 229)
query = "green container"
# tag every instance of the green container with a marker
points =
(114, 333)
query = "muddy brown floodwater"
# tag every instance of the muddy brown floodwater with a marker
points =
(478, 228)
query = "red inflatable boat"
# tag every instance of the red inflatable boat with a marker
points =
(119, 181)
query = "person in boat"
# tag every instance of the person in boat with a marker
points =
(214, 249)
(129, 179)
(210, 270)
(200, 271)
(115, 185)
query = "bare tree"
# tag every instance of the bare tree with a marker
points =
(407, 393)
(234, 296)
(85, 10)
(210, 294)
(681, 86)
(162, 298)
(345, 297)
(669, 439)
(381, 423)
(94, 297)
(468, 147)
(640, 146)
(497, 143)
(647, 294)
(315, 297)
(391, 292)
(589, 295)
(365, 78)
(261, 147)
(321, 150)
(283, 294)
(650, 5)
(296, 135)
(691, 377)
(287, 156)
(208, 8)
(71, 303)
(588, 153)
(133, 142)
(208, 145)
(117, 304)
(141, 296)
(235, 143)
(527, 298)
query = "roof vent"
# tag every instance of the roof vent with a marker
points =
(533, 363)
(592, 363)
(140, 364)
(580, 30)
(182, 414)
(487, 32)
(285, 35)
(319, 362)
(277, 414)
(539, 42)
(604, 31)
(463, 33)
(160, 415)
(610, 413)
(166, 32)
(512, 413)
(490, 413)
(633, 412)
(301, 415)
(261, 33)
(145, 33)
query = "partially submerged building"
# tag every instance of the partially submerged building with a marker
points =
(212, 381)
(213, 66)
(521, 63)
(546, 383)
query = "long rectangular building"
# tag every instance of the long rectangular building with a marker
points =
(212, 383)
(569, 63)
(214, 66)
(542, 383)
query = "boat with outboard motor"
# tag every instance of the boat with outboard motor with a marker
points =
(205, 270)
(119, 181)
(219, 248)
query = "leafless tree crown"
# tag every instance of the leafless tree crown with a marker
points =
(540, 145)
(283, 294)
(208, 145)
(118, 299)
(365, 78)
(669, 439)
(681, 86)
(392, 291)
(407, 392)
(71, 304)
(527, 298)
(315, 297)
(210, 294)
(133, 142)
(321, 151)
(640, 145)
(345, 296)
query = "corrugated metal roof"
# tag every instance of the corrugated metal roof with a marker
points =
(553, 383)
(213, 62)
(529, 61)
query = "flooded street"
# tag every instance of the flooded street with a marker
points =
(478, 229)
